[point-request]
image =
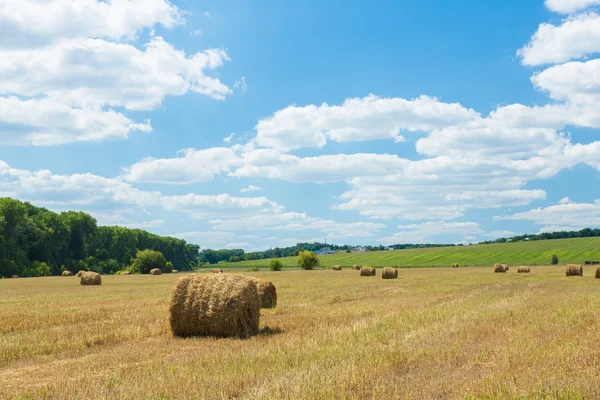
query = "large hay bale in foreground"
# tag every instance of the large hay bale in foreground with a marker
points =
(499, 268)
(523, 270)
(367, 271)
(214, 305)
(91, 278)
(81, 272)
(266, 293)
(389, 273)
(598, 273)
(155, 271)
(356, 267)
(66, 273)
(336, 267)
(574, 270)
(217, 271)
(455, 265)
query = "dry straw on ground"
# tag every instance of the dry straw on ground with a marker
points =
(367, 271)
(81, 272)
(522, 270)
(266, 293)
(455, 265)
(389, 273)
(574, 270)
(336, 267)
(67, 273)
(356, 267)
(155, 271)
(214, 305)
(217, 271)
(500, 268)
(91, 278)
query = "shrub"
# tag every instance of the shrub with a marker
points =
(255, 268)
(275, 265)
(554, 259)
(307, 260)
(146, 260)
(234, 259)
(168, 267)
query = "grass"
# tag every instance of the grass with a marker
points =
(432, 333)
(537, 252)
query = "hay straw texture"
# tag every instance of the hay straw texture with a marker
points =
(455, 265)
(214, 305)
(389, 273)
(91, 278)
(367, 271)
(336, 267)
(598, 273)
(266, 293)
(500, 268)
(155, 271)
(66, 273)
(574, 270)
(81, 272)
(356, 267)
(217, 271)
(523, 270)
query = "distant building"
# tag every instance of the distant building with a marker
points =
(360, 249)
(324, 250)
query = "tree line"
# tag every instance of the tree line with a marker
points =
(35, 241)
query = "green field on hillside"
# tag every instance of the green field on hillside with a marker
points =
(520, 253)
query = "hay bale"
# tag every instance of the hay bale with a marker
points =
(356, 267)
(455, 265)
(506, 267)
(66, 273)
(126, 273)
(217, 271)
(598, 273)
(174, 271)
(336, 267)
(523, 270)
(81, 272)
(15, 276)
(574, 270)
(91, 278)
(214, 305)
(367, 271)
(499, 268)
(266, 293)
(155, 271)
(389, 273)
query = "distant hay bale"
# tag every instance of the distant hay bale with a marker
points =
(500, 268)
(217, 271)
(367, 271)
(574, 270)
(506, 267)
(266, 293)
(356, 267)
(15, 276)
(155, 271)
(66, 273)
(523, 270)
(174, 271)
(389, 273)
(455, 265)
(91, 278)
(221, 305)
(598, 273)
(125, 272)
(336, 267)
(81, 272)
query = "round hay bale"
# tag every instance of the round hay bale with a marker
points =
(126, 273)
(155, 271)
(356, 267)
(598, 273)
(523, 270)
(91, 278)
(367, 271)
(506, 267)
(174, 271)
(15, 276)
(66, 273)
(266, 293)
(215, 305)
(81, 272)
(389, 273)
(574, 270)
(217, 271)
(499, 268)
(455, 265)
(336, 267)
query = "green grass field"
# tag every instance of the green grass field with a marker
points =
(519, 253)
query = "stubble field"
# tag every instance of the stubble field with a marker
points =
(432, 333)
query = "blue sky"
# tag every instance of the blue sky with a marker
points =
(262, 124)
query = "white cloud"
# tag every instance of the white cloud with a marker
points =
(428, 231)
(570, 215)
(357, 119)
(250, 188)
(241, 84)
(31, 23)
(569, 6)
(191, 166)
(576, 37)
(229, 138)
(564, 200)
(575, 82)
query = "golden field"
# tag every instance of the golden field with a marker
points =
(433, 333)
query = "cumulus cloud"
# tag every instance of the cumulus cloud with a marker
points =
(571, 215)
(250, 188)
(428, 231)
(570, 6)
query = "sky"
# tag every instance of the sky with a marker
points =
(245, 124)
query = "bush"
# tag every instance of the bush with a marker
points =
(168, 267)
(554, 259)
(145, 260)
(275, 265)
(234, 259)
(307, 260)
(256, 268)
